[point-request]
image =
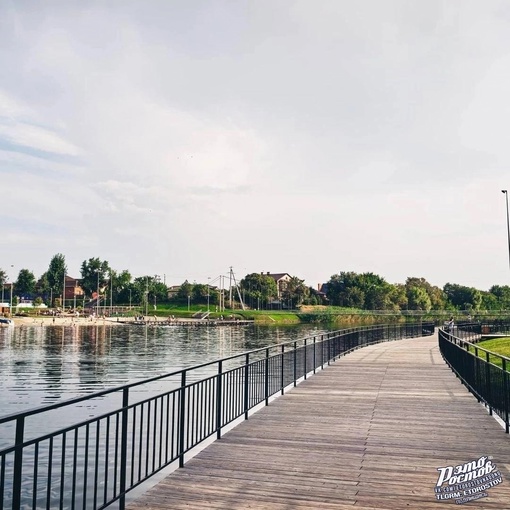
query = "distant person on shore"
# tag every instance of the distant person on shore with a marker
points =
(451, 325)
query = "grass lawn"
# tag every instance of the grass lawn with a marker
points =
(499, 346)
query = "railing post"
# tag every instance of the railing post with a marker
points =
(182, 420)
(18, 463)
(295, 364)
(123, 449)
(329, 350)
(266, 382)
(488, 381)
(314, 355)
(219, 399)
(304, 357)
(505, 390)
(246, 385)
(282, 379)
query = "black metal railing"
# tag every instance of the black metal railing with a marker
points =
(95, 462)
(485, 373)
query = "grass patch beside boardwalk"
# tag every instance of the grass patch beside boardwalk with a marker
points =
(499, 346)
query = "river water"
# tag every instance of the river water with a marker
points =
(43, 365)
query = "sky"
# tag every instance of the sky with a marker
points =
(182, 138)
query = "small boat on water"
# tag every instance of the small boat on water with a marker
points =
(6, 322)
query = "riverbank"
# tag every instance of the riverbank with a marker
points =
(78, 321)
(43, 321)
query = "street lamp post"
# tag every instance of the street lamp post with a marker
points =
(146, 295)
(111, 294)
(507, 223)
(97, 297)
(10, 305)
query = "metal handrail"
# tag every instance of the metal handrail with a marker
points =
(483, 372)
(93, 464)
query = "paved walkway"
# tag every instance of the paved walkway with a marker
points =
(368, 432)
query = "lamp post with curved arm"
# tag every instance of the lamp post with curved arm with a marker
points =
(507, 223)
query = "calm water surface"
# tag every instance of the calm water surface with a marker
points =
(43, 365)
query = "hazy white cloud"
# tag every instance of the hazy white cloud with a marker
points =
(312, 138)
(36, 138)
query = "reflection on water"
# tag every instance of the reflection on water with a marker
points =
(41, 365)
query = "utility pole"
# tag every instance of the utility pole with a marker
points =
(230, 288)
(146, 295)
(238, 290)
(64, 294)
(208, 283)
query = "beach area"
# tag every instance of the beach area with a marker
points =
(49, 320)
(147, 320)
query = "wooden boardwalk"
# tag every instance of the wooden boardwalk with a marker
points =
(368, 432)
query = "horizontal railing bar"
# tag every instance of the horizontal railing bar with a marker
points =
(192, 412)
(118, 389)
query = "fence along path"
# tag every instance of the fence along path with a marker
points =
(368, 432)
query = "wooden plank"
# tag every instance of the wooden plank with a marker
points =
(368, 432)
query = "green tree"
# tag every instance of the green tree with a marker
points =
(95, 273)
(25, 284)
(312, 297)
(502, 295)
(295, 291)
(437, 298)
(42, 287)
(341, 290)
(158, 291)
(56, 273)
(139, 291)
(3, 281)
(366, 291)
(185, 291)
(398, 297)
(462, 297)
(259, 289)
(199, 293)
(377, 291)
(435, 295)
(353, 297)
(490, 301)
(418, 299)
(121, 286)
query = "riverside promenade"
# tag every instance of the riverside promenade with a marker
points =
(368, 432)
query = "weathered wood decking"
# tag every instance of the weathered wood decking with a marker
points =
(368, 432)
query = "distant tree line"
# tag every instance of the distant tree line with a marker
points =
(368, 291)
(365, 291)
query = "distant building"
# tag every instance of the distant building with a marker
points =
(281, 280)
(72, 289)
(322, 290)
(172, 291)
